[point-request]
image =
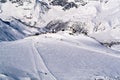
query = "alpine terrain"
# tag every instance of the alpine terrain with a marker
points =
(59, 39)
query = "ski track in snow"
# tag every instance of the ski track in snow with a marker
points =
(52, 46)
(42, 41)
(47, 73)
(73, 58)
(68, 44)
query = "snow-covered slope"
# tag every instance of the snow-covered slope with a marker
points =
(19, 60)
(61, 40)
(58, 57)
(15, 29)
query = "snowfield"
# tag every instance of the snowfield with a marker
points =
(99, 17)
(60, 40)
(58, 57)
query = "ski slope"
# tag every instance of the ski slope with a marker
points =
(58, 57)
(20, 60)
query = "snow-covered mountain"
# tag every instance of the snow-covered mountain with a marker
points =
(59, 39)
(97, 17)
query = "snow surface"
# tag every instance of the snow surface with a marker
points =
(58, 57)
(21, 61)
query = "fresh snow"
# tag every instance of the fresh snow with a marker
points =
(21, 60)
(58, 56)
(98, 16)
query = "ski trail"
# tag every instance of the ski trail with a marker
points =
(43, 71)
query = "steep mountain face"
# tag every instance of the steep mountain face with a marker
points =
(32, 12)
(95, 16)
(14, 29)
(63, 3)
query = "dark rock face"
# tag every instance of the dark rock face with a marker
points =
(59, 25)
(3, 1)
(64, 3)
(110, 44)
(70, 5)
(20, 2)
(67, 5)
(59, 2)
(43, 6)
(55, 26)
